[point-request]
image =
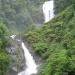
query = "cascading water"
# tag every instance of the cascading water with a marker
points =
(48, 10)
(30, 63)
(31, 67)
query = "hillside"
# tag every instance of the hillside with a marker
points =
(55, 42)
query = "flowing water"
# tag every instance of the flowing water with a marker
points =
(30, 62)
(31, 67)
(48, 10)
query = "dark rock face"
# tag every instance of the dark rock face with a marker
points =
(12, 72)
(16, 52)
(17, 57)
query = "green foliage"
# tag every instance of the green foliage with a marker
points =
(55, 43)
(3, 35)
(4, 62)
(18, 14)
(4, 57)
(60, 5)
(40, 47)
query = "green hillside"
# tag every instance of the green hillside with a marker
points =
(55, 42)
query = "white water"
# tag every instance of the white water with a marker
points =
(13, 36)
(30, 62)
(31, 67)
(48, 10)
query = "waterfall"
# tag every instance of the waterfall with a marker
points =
(31, 67)
(30, 62)
(48, 10)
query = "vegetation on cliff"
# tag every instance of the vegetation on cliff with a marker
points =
(55, 43)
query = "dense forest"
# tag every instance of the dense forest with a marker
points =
(17, 14)
(53, 41)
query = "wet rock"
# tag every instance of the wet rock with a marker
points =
(17, 57)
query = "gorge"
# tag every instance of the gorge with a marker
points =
(48, 10)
